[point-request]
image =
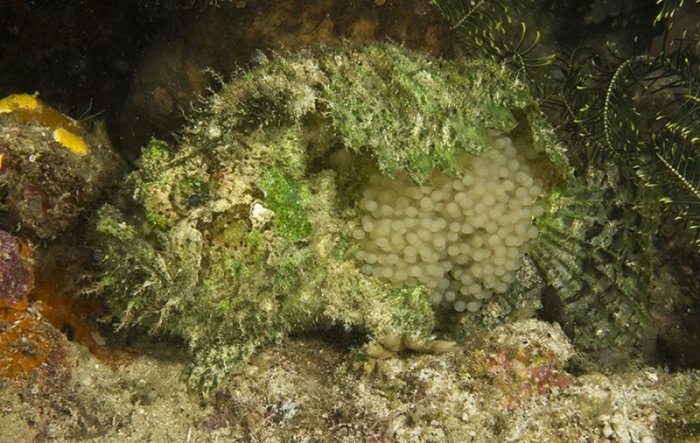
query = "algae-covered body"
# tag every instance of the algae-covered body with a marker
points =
(242, 234)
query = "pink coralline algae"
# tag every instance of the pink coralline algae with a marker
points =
(16, 278)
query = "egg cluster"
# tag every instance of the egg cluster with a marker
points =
(460, 237)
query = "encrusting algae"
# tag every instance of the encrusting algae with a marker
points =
(51, 167)
(36, 312)
(26, 340)
(30, 109)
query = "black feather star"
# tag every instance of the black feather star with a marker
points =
(641, 110)
(497, 29)
(646, 116)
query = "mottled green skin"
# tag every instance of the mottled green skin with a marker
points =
(239, 236)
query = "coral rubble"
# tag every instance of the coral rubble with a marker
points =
(51, 168)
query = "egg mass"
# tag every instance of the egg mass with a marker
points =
(462, 236)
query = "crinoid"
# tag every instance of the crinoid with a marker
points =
(643, 113)
(497, 29)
